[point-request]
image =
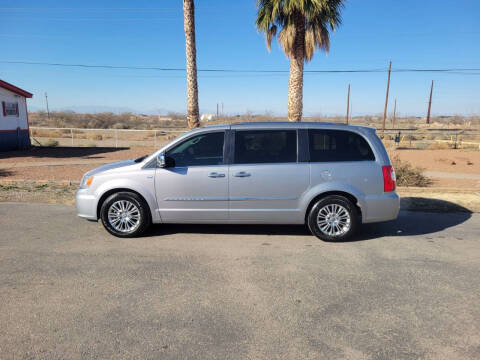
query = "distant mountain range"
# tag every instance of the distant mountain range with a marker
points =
(97, 109)
(93, 109)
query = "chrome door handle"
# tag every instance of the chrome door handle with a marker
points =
(242, 174)
(216, 175)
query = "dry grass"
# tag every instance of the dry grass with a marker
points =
(70, 119)
(407, 175)
(67, 119)
(440, 146)
(50, 143)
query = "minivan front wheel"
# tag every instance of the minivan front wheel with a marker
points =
(333, 218)
(125, 214)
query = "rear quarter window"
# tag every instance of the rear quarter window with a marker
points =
(338, 145)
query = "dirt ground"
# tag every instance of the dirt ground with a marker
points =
(458, 163)
(73, 153)
(458, 167)
(61, 163)
(449, 160)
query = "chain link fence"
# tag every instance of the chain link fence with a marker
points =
(75, 137)
(431, 139)
(412, 139)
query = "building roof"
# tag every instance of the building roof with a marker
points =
(16, 90)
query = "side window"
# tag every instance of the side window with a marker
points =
(338, 145)
(10, 108)
(203, 149)
(265, 146)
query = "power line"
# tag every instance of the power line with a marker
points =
(438, 70)
(20, 9)
(112, 19)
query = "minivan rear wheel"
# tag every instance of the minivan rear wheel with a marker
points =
(333, 218)
(125, 214)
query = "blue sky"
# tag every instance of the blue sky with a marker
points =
(411, 33)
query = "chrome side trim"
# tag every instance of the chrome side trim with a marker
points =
(243, 198)
(197, 199)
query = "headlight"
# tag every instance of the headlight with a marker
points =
(86, 181)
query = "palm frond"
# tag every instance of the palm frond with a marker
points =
(270, 35)
(309, 44)
(276, 18)
(286, 39)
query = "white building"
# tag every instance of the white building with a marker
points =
(207, 117)
(14, 131)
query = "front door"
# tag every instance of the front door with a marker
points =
(266, 181)
(195, 189)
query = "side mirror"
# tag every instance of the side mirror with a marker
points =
(163, 161)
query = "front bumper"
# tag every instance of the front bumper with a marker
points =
(86, 204)
(382, 207)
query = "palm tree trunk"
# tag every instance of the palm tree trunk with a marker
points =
(191, 55)
(295, 83)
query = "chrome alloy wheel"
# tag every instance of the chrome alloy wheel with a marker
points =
(124, 216)
(333, 220)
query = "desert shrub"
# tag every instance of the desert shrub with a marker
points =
(91, 144)
(176, 116)
(421, 145)
(119, 125)
(48, 133)
(94, 136)
(407, 175)
(470, 146)
(50, 143)
(439, 146)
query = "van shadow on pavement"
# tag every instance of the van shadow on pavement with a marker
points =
(411, 223)
(408, 223)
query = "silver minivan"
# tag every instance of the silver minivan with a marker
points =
(331, 177)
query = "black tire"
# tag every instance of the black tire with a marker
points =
(144, 220)
(344, 232)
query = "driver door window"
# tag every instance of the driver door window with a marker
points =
(195, 188)
(200, 150)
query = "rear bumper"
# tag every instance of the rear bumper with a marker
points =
(86, 204)
(382, 207)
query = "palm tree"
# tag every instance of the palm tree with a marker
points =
(304, 26)
(191, 55)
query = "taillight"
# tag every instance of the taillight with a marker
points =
(389, 179)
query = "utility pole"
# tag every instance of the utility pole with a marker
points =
(394, 114)
(429, 104)
(217, 110)
(222, 109)
(48, 111)
(351, 112)
(348, 103)
(386, 97)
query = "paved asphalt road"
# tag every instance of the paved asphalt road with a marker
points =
(405, 290)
